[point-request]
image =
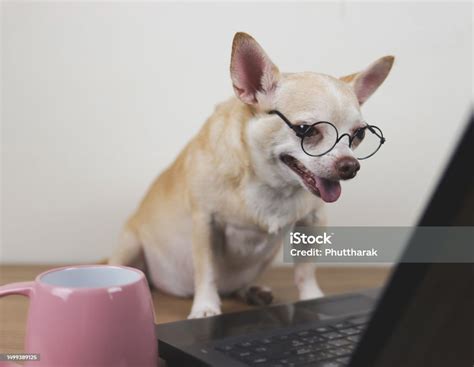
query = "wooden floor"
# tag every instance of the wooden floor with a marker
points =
(13, 309)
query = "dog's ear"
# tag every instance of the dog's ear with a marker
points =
(366, 82)
(252, 72)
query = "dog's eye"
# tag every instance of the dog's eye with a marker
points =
(306, 130)
(301, 129)
(360, 134)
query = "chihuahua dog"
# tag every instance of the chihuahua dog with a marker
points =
(215, 218)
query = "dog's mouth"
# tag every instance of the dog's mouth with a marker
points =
(327, 190)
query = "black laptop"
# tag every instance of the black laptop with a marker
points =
(423, 317)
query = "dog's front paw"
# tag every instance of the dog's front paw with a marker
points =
(310, 292)
(204, 310)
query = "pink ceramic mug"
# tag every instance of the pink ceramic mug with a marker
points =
(89, 316)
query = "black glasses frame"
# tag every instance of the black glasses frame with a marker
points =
(302, 130)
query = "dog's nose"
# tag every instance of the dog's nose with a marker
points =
(347, 167)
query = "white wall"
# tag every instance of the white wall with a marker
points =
(99, 97)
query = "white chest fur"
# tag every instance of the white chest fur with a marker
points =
(244, 253)
(251, 245)
(276, 209)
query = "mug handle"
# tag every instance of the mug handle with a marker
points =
(21, 288)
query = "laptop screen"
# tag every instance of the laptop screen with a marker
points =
(424, 317)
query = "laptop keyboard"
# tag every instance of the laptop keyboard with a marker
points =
(327, 346)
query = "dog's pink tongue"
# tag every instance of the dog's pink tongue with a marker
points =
(329, 190)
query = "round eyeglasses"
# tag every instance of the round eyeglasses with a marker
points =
(321, 137)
